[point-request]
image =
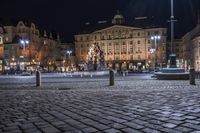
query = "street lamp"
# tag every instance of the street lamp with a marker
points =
(24, 42)
(154, 50)
(69, 52)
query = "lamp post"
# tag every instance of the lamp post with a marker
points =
(172, 21)
(154, 50)
(24, 42)
(69, 52)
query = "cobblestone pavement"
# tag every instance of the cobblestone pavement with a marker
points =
(91, 106)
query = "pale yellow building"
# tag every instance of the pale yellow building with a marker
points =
(124, 46)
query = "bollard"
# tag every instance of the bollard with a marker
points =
(90, 75)
(111, 77)
(81, 75)
(71, 75)
(38, 78)
(192, 76)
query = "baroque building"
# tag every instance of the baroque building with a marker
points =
(39, 50)
(125, 46)
(1, 48)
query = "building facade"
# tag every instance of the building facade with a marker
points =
(68, 56)
(1, 48)
(188, 49)
(125, 47)
(39, 50)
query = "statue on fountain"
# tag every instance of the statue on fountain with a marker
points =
(95, 59)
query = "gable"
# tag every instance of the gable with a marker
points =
(117, 28)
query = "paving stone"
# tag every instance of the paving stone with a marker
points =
(183, 129)
(89, 130)
(168, 130)
(133, 125)
(192, 126)
(112, 130)
(117, 126)
(175, 122)
(74, 131)
(169, 125)
(50, 130)
(27, 126)
(33, 130)
(100, 126)
(10, 128)
(130, 130)
(190, 117)
(153, 126)
(13, 131)
(193, 121)
(196, 131)
(148, 130)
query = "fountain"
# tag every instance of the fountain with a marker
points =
(172, 73)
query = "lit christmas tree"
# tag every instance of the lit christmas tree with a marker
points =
(95, 58)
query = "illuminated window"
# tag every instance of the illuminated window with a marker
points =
(124, 49)
(117, 48)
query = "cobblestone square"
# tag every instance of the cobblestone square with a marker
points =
(88, 105)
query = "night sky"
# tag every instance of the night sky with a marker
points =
(68, 16)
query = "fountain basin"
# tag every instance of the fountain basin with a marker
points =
(172, 74)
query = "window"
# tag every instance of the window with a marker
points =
(131, 42)
(138, 34)
(124, 49)
(131, 57)
(131, 35)
(138, 42)
(131, 48)
(139, 57)
(148, 33)
(149, 41)
(87, 38)
(81, 38)
(117, 48)
(109, 37)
